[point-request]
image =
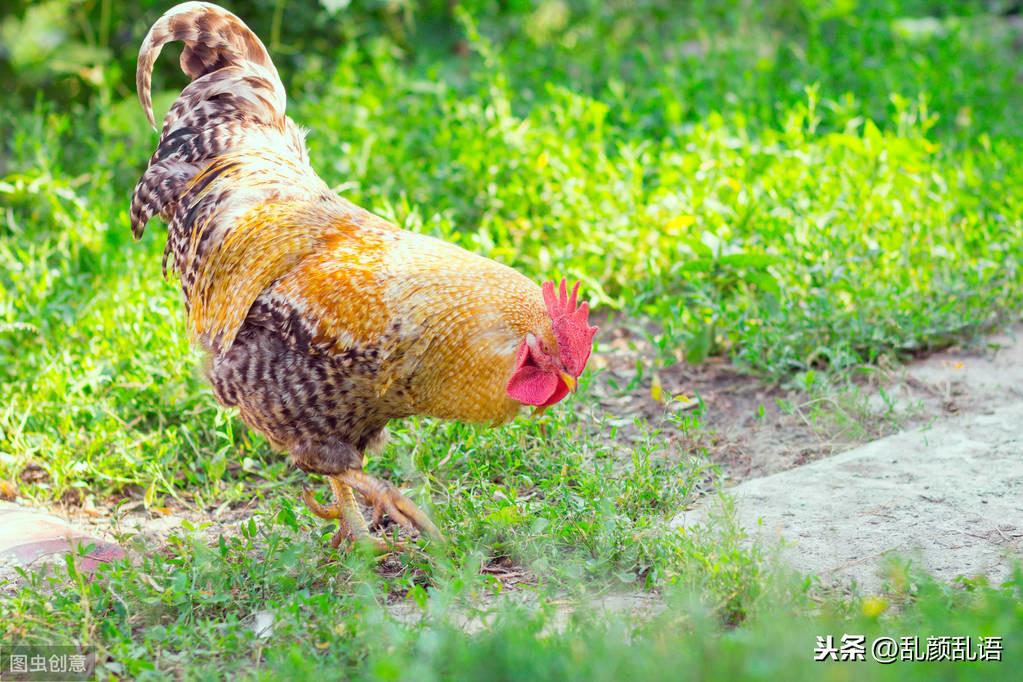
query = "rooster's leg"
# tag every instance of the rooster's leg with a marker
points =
(351, 524)
(385, 498)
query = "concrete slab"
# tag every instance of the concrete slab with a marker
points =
(949, 496)
(29, 536)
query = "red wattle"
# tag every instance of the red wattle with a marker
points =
(530, 385)
(560, 392)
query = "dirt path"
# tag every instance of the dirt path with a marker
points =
(946, 495)
(754, 430)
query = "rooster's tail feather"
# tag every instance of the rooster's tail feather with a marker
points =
(235, 101)
(214, 38)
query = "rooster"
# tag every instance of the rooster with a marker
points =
(322, 322)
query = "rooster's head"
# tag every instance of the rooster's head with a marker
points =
(545, 373)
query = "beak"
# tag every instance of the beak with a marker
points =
(570, 381)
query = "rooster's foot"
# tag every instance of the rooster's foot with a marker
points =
(351, 524)
(386, 499)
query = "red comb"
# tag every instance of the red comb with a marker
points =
(571, 325)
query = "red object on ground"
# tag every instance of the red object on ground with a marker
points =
(28, 535)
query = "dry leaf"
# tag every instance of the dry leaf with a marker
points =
(7, 491)
(680, 222)
(656, 391)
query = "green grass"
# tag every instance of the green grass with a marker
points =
(803, 188)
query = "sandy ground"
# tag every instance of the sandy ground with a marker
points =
(947, 496)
